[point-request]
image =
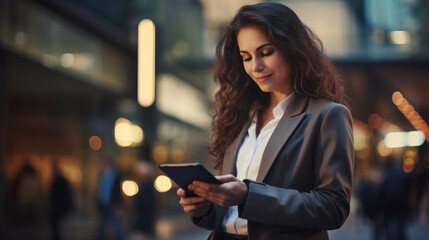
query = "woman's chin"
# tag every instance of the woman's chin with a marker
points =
(265, 89)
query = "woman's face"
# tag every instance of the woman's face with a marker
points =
(263, 62)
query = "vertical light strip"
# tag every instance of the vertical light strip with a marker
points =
(146, 63)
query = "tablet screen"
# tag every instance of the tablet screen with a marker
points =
(184, 174)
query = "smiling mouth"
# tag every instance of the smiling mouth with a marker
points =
(263, 78)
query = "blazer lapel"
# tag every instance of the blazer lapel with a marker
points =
(288, 123)
(229, 166)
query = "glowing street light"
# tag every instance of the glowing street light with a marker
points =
(146, 63)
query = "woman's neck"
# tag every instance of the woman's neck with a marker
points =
(276, 98)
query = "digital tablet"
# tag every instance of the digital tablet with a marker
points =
(184, 174)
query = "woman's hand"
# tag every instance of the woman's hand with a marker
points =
(231, 192)
(195, 206)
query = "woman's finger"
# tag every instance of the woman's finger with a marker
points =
(226, 178)
(212, 196)
(181, 193)
(196, 207)
(202, 186)
(226, 194)
(208, 193)
(191, 200)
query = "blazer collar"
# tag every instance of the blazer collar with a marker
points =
(291, 118)
(229, 166)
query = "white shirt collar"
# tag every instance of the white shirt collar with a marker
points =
(278, 112)
(280, 109)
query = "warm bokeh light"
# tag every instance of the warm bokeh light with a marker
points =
(363, 154)
(408, 165)
(129, 188)
(383, 150)
(73, 173)
(407, 109)
(397, 98)
(374, 120)
(146, 63)
(95, 143)
(400, 37)
(165, 228)
(137, 134)
(162, 183)
(404, 139)
(177, 155)
(417, 118)
(390, 127)
(395, 139)
(415, 138)
(160, 153)
(359, 140)
(128, 134)
(67, 60)
(123, 132)
(411, 153)
(413, 117)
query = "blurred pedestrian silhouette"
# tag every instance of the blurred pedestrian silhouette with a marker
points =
(420, 186)
(61, 200)
(110, 203)
(394, 196)
(369, 195)
(143, 203)
(384, 196)
(27, 194)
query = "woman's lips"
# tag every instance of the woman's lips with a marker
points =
(263, 79)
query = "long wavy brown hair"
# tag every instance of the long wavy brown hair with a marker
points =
(238, 97)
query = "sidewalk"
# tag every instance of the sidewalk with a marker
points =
(355, 228)
(194, 234)
(179, 227)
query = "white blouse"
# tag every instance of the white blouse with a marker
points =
(248, 161)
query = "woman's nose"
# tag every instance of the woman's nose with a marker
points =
(257, 65)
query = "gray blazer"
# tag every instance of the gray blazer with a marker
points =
(304, 183)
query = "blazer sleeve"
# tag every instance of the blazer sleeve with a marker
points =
(327, 205)
(208, 220)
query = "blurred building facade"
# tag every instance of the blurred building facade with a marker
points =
(68, 73)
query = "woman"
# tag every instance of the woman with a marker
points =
(281, 139)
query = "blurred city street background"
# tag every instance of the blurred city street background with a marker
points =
(94, 95)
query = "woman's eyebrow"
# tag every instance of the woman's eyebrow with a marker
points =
(259, 48)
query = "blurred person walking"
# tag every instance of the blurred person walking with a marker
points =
(368, 191)
(27, 195)
(385, 196)
(394, 201)
(282, 140)
(110, 203)
(143, 203)
(61, 200)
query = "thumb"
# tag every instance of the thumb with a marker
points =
(226, 178)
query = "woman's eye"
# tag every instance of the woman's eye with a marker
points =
(267, 53)
(245, 59)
